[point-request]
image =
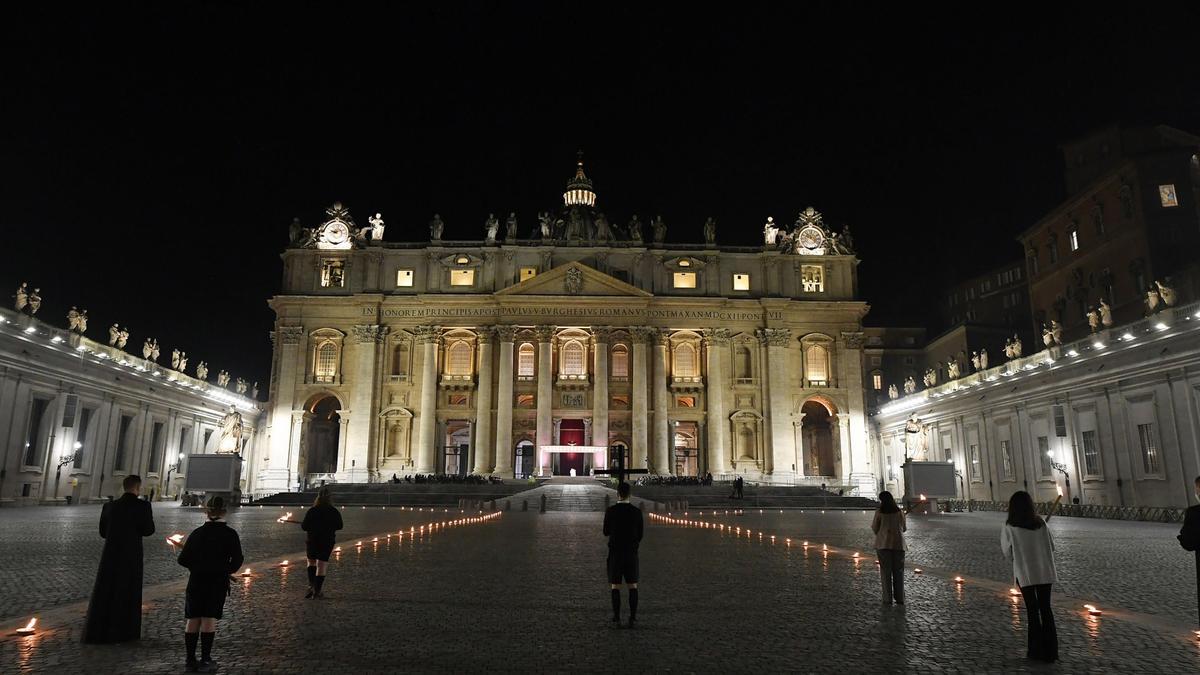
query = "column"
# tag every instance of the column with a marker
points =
(426, 455)
(716, 343)
(783, 443)
(366, 340)
(280, 471)
(661, 435)
(842, 424)
(859, 471)
(504, 397)
(545, 392)
(600, 402)
(483, 404)
(638, 449)
(296, 437)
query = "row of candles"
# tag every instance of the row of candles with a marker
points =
(176, 540)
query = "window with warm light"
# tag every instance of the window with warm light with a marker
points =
(1074, 237)
(816, 364)
(462, 260)
(404, 278)
(462, 277)
(877, 381)
(1167, 195)
(685, 360)
(527, 273)
(620, 361)
(812, 278)
(458, 358)
(525, 360)
(333, 273)
(573, 358)
(325, 366)
(685, 280)
(741, 282)
(685, 263)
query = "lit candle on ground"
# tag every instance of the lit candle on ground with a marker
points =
(284, 563)
(1014, 592)
(917, 570)
(175, 539)
(959, 580)
(1093, 610)
(285, 518)
(29, 628)
(855, 554)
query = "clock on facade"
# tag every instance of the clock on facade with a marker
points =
(335, 234)
(810, 238)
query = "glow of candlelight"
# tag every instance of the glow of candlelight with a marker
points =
(922, 496)
(246, 572)
(285, 563)
(337, 549)
(1060, 493)
(287, 517)
(1093, 610)
(855, 555)
(1014, 592)
(29, 628)
(959, 580)
(917, 570)
(175, 539)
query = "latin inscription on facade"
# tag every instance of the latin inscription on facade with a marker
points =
(583, 312)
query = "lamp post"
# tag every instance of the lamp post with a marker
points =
(1061, 468)
(66, 459)
(174, 467)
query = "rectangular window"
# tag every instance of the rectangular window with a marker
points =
(685, 280)
(620, 401)
(462, 277)
(525, 361)
(157, 441)
(185, 440)
(404, 278)
(1033, 264)
(1167, 196)
(812, 278)
(33, 435)
(1053, 252)
(877, 381)
(1006, 461)
(1074, 236)
(620, 361)
(85, 422)
(976, 465)
(741, 282)
(1151, 463)
(527, 273)
(1091, 453)
(685, 401)
(1044, 457)
(207, 436)
(122, 442)
(333, 273)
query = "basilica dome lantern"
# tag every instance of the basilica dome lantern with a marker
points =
(579, 189)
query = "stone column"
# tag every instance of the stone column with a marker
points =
(716, 343)
(280, 472)
(366, 340)
(600, 402)
(639, 448)
(426, 455)
(504, 402)
(859, 471)
(483, 405)
(783, 443)
(545, 392)
(661, 434)
(296, 435)
(842, 432)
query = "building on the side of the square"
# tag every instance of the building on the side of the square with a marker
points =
(538, 348)
(1111, 418)
(1131, 219)
(891, 355)
(998, 298)
(77, 416)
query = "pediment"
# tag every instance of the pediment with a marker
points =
(575, 278)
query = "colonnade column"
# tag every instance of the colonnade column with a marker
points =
(600, 402)
(662, 459)
(279, 474)
(483, 404)
(504, 402)
(783, 441)
(638, 451)
(716, 342)
(426, 456)
(545, 392)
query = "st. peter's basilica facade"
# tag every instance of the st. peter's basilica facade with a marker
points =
(535, 353)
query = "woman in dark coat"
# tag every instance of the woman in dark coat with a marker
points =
(115, 611)
(212, 552)
(320, 523)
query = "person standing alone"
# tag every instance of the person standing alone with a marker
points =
(1189, 535)
(115, 610)
(321, 522)
(211, 553)
(623, 527)
(889, 527)
(1028, 546)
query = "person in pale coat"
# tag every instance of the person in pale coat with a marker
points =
(1028, 546)
(889, 527)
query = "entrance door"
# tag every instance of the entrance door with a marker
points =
(570, 432)
(687, 453)
(523, 465)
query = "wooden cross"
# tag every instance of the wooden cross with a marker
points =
(617, 461)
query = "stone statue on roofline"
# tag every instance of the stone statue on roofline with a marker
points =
(1167, 293)
(510, 227)
(1152, 300)
(35, 301)
(202, 370)
(83, 319)
(546, 225)
(1093, 319)
(660, 230)
(376, 222)
(604, 233)
(1016, 345)
(892, 393)
(975, 361)
(770, 233)
(114, 334)
(1106, 318)
(435, 228)
(710, 232)
(183, 362)
(122, 337)
(22, 297)
(635, 230)
(147, 349)
(983, 360)
(491, 228)
(175, 359)
(1056, 331)
(73, 319)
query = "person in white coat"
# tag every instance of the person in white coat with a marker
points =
(1028, 546)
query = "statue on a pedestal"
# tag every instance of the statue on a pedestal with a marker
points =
(73, 319)
(892, 393)
(660, 230)
(376, 222)
(1056, 331)
(241, 386)
(975, 361)
(710, 232)
(22, 297)
(491, 228)
(916, 441)
(770, 233)
(154, 350)
(1165, 292)
(122, 337)
(147, 349)
(35, 301)
(435, 228)
(1047, 336)
(604, 233)
(510, 227)
(1017, 346)
(82, 321)
(1093, 319)
(1105, 314)
(983, 361)
(231, 433)
(183, 362)
(202, 371)
(114, 334)
(1151, 300)
(254, 391)
(910, 385)
(635, 229)
(175, 359)
(952, 369)
(223, 379)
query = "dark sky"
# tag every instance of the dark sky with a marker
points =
(150, 163)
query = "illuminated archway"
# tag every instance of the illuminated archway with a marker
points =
(322, 437)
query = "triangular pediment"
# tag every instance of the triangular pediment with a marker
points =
(575, 278)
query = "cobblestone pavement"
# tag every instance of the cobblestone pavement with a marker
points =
(525, 592)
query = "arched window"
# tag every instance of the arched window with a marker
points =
(525, 360)
(743, 366)
(325, 368)
(573, 358)
(458, 358)
(685, 360)
(816, 364)
(400, 359)
(620, 361)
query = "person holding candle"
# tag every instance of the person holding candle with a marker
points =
(889, 528)
(211, 553)
(321, 522)
(1189, 535)
(115, 610)
(623, 527)
(1027, 545)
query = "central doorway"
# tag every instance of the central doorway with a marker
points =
(570, 432)
(320, 457)
(687, 451)
(455, 458)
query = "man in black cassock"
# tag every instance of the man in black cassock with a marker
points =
(1189, 536)
(115, 611)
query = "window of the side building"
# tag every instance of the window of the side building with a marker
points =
(525, 367)
(185, 440)
(404, 278)
(1044, 457)
(81, 439)
(1006, 461)
(816, 364)
(527, 273)
(684, 279)
(877, 381)
(812, 278)
(573, 358)
(743, 364)
(1166, 195)
(525, 400)
(34, 434)
(462, 277)
(326, 361)
(620, 401)
(685, 360)
(685, 401)
(458, 358)
(122, 443)
(741, 282)
(333, 273)
(1151, 462)
(158, 447)
(620, 361)
(1073, 235)
(976, 466)
(1091, 452)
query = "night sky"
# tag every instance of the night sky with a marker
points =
(150, 163)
